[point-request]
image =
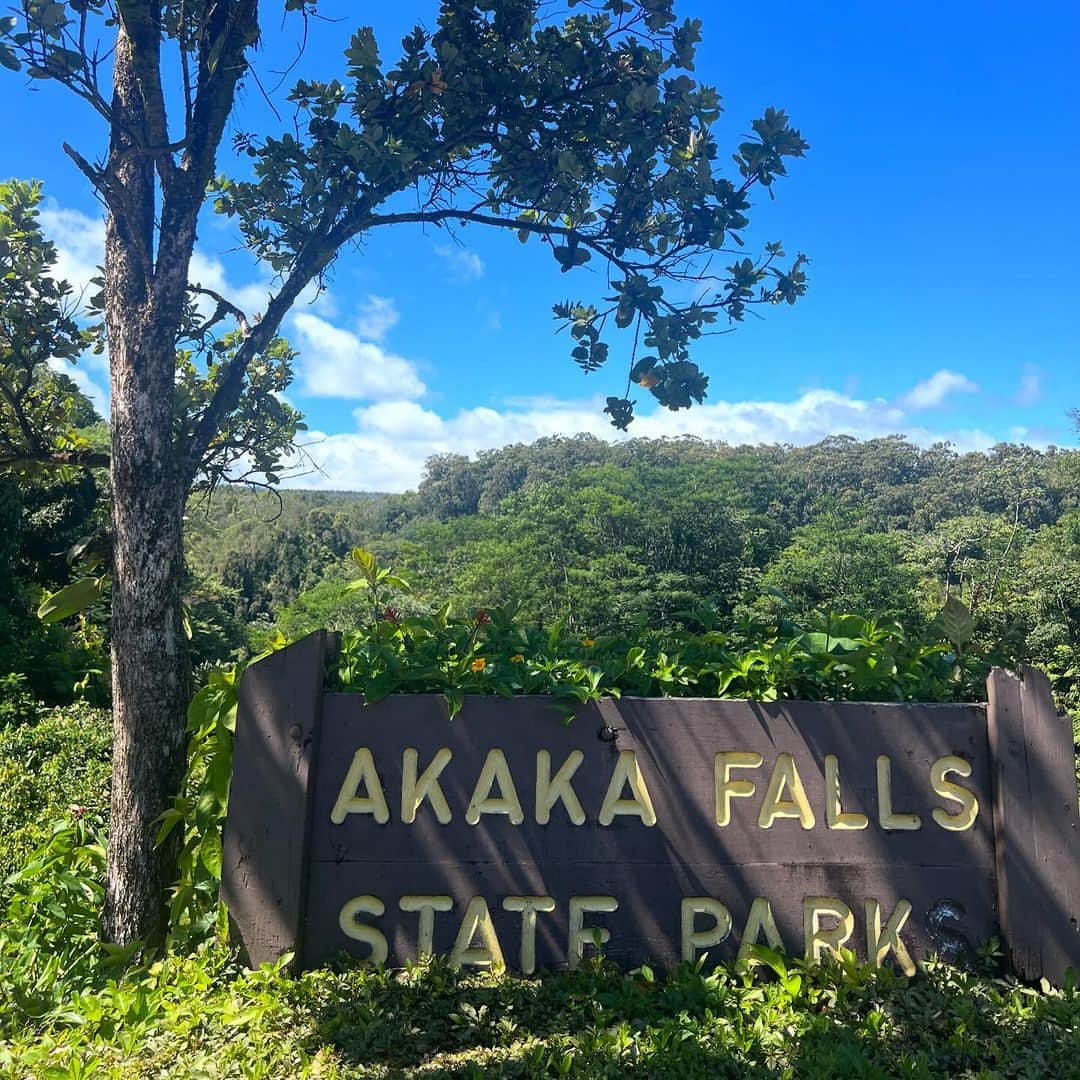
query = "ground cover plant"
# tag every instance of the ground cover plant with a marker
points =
(201, 1016)
(52, 760)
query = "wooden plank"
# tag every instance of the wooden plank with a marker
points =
(1036, 826)
(651, 868)
(265, 857)
(1056, 852)
(646, 927)
(1018, 888)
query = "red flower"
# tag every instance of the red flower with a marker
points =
(392, 615)
(482, 617)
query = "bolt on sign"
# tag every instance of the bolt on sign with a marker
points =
(654, 829)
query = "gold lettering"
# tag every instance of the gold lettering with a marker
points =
(581, 935)
(759, 920)
(495, 771)
(835, 815)
(427, 906)
(550, 789)
(350, 801)
(415, 790)
(477, 919)
(728, 789)
(693, 940)
(886, 815)
(627, 771)
(965, 817)
(362, 932)
(879, 943)
(817, 938)
(785, 775)
(528, 906)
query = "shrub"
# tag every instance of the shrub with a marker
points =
(17, 704)
(201, 1016)
(57, 760)
(831, 657)
(50, 941)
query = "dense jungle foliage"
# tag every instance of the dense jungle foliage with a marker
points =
(603, 538)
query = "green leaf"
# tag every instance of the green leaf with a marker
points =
(210, 852)
(454, 697)
(367, 563)
(70, 600)
(956, 623)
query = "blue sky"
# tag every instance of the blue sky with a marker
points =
(937, 205)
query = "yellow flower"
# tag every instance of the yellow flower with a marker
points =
(479, 664)
(517, 658)
(588, 642)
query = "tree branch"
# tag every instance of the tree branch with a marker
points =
(229, 30)
(311, 263)
(96, 176)
(142, 23)
(224, 307)
(56, 459)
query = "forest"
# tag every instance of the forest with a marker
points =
(607, 537)
(601, 538)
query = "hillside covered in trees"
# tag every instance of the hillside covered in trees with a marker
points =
(602, 536)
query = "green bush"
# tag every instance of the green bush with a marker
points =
(17, 704)
(49, 763)
(50, 940)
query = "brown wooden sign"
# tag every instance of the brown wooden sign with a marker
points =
(657, 829)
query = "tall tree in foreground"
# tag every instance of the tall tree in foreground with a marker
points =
(588, 135)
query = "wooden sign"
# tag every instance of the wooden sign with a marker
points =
(654, 829)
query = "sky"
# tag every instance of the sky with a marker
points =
(938, 206)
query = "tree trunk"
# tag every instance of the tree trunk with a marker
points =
(150, 689)
(150, 680)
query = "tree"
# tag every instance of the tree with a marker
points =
(590, 137)
(46, 423)
(836, 565)
(40, 409)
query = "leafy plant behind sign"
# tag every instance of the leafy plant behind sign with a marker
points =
(490, 651)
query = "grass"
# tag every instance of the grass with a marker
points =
(204, 1016)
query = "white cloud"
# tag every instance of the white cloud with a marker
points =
(209, 272)
(336, 363)
(91, 376)
(405, 420)
(1030, 390)
(378, 315)
(932, 392)
(394, 437)
(79, 240)
(464, 265)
